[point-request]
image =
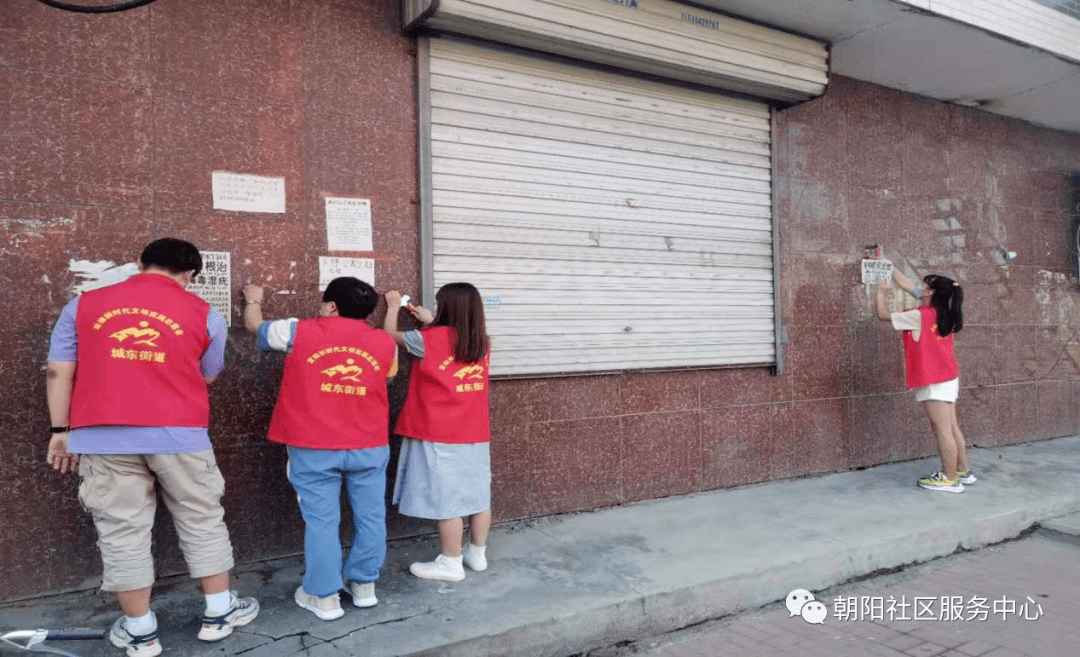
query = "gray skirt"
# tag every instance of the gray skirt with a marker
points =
(440, 481)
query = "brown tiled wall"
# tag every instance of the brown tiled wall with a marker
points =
(112, 125)
(862, 165)
(866, 164)
(110, 128)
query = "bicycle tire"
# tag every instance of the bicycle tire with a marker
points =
(96, 9)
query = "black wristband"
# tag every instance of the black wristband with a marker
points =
(59, 429)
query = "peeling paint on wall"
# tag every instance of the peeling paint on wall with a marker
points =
(36, 224)
(96, 274)
(1054, 302)
(998, 231)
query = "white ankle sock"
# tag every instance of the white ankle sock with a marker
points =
(218, 603)
(456, 559)
(141, 625)
(478, 550)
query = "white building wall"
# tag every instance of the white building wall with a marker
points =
(1023, 20)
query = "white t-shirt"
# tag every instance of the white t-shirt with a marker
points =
(909, 320)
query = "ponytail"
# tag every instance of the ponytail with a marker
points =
(948, 301)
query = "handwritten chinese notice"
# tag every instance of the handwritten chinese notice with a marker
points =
(348, 224)
(214, 283)
(876, 271)
(245, 193)
(330, 267)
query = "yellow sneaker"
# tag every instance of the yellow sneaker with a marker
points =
(937, 481)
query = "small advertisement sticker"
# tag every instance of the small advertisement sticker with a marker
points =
(348, 224)
(246, 193)
(214, 283)
(876, 271)
(330, 267)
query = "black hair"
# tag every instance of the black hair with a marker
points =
(353, 297)
(461, 307)
(177, 256)
(948, 301)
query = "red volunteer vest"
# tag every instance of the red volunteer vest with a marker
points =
(930, 360)
(333, 389)
(447, 401)
(140, 342)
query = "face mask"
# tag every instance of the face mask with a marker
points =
(918, 290)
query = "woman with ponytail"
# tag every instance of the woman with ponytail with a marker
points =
(931, 368)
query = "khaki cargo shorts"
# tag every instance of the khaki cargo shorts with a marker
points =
(118, 491)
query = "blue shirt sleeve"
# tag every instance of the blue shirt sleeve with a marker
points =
(64, 344)
(277, 334)
(414, 343)
(213, 359)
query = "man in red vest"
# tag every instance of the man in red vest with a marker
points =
(126, 385)
(332, 413)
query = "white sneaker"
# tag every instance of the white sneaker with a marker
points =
(444, 568)
(327, 608)
(135, 645)
(242, 612)
(363, 595)
(474, 557)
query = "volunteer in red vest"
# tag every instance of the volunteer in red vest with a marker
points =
(126, 384)
(444, 467)
(931, 368)
(332, 414)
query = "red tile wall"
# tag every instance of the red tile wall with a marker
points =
(110, 128)
(112, 124)
(869, 165)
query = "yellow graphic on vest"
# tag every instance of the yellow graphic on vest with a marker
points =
(339, 389)
(470, 387)
(142, 334)
(120, 312)
(471, 372)
(349, 371)
(142, 355)
(343, 350)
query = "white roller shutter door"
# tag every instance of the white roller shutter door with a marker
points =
(659, 37)
(610, 222)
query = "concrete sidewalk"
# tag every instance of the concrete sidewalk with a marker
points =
(574, 583)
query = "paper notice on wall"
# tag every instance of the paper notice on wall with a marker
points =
(876, 271)
(214, 282)
(330, 267)
(245, 193)
(348, 224)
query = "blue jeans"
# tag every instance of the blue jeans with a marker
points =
(316, 475)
